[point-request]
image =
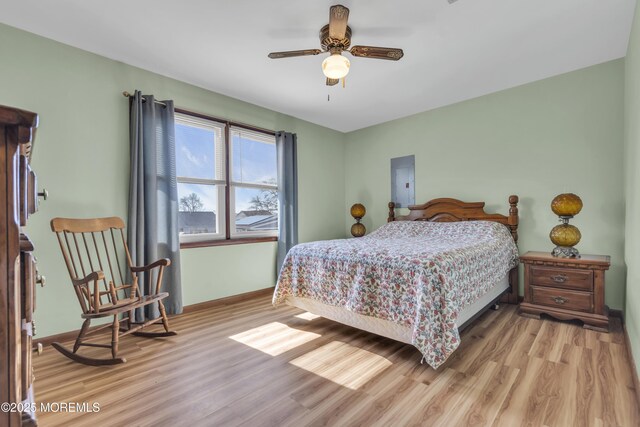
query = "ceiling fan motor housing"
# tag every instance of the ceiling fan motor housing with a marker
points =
(328, 43)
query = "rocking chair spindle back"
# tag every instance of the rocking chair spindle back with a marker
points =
(106, 282)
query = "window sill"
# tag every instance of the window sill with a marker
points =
(226, 242)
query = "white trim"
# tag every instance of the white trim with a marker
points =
(221, 219)
(256, 186)
(201, 181)
(199, 237)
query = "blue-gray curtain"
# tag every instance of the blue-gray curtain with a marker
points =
(287, 194)
(153, 198)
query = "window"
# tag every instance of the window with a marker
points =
(201, 178)
(254, 182)
(217, 205)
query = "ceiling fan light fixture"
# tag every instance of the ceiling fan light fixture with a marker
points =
(335, 38)
(335, 66)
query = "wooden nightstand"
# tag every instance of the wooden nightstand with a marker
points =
(566, 288)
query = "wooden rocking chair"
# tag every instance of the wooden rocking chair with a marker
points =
(92, 257)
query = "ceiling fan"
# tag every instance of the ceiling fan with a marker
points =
(336, 38)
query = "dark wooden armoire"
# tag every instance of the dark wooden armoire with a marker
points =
(19, 199)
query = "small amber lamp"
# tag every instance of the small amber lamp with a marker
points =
(565, 236)
(358, 229)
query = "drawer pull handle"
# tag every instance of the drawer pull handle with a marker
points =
(39, 349)
(560, 300)
(44, 194)
(41, 279)
(560, 278)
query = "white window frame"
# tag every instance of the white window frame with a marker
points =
(256, 136)
(188, 120)
(224, 182)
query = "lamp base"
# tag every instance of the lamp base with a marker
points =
(358, 229)
(565, 252)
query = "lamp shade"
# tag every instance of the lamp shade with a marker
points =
(336, 66)
(567, 204)
(358, 211)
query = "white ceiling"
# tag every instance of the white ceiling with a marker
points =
(453, 51)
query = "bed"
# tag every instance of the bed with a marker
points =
(418, 279)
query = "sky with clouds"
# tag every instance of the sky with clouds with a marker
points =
(252, 162)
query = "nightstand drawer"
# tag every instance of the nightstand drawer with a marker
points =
(562, 298)
(563, 278)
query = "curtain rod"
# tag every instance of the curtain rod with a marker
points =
(208, 117)
(128, 95)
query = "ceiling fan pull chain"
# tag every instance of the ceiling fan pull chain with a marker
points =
(343, 80)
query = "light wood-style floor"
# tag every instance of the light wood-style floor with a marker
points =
(250, 364)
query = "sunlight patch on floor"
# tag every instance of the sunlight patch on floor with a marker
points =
(343, 364)
(307, 316)
(274, 338)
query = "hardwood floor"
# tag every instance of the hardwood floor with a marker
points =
(252, 364)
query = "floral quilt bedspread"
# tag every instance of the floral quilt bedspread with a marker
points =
(414, 273)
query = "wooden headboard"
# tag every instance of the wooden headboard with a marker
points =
(452, 210)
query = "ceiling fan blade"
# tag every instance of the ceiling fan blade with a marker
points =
(389, 53)
(338, 17)
(332, 82)
(292, 53)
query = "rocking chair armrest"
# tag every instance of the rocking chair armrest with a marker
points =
(91, 277)
(164, 262)
(94, 298)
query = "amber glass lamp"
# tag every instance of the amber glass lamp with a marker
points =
(565, 236)
(358, 211)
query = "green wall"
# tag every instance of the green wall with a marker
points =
(632, 189)
(556, 135)
(82, 158)
(562, 134)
